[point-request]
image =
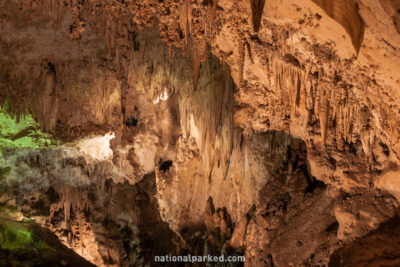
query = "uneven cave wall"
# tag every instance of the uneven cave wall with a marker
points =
(302, 81)
(174, 111)
(372, 249)
(77, 197)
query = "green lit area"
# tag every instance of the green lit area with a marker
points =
(25, 243)
(17, 236)
(23, 134)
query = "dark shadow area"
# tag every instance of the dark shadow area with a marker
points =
(293, 208)
(27, 244)
(131, 122)
(379, 248)
(211, 240)
(165, 165)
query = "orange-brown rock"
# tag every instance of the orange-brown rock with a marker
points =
(260, 128)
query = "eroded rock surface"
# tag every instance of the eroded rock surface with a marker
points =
(258, 128)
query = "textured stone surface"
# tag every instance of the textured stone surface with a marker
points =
(263, 128)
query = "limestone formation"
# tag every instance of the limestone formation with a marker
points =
(264, 129)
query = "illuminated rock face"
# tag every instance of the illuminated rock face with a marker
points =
(263, 128)
(97, 147)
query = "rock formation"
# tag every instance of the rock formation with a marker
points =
(264, 129)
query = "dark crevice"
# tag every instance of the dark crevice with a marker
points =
(289, 58)
(131, 122)
(332, 227)
(165, 165)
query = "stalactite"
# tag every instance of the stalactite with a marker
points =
(346, 13)
(339, 139)
(194, 59)
(213, 12)
(257, 7)
(347, 123)
(192, 50)
(324, 114)
(293, 87)
(242, 55)
(66, 201)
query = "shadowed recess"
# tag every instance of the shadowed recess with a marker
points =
(378, 248)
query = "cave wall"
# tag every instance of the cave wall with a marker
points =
(290, 75)
(283, 113)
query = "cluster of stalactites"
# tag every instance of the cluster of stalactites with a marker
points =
(309, 92)
(196, 48)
